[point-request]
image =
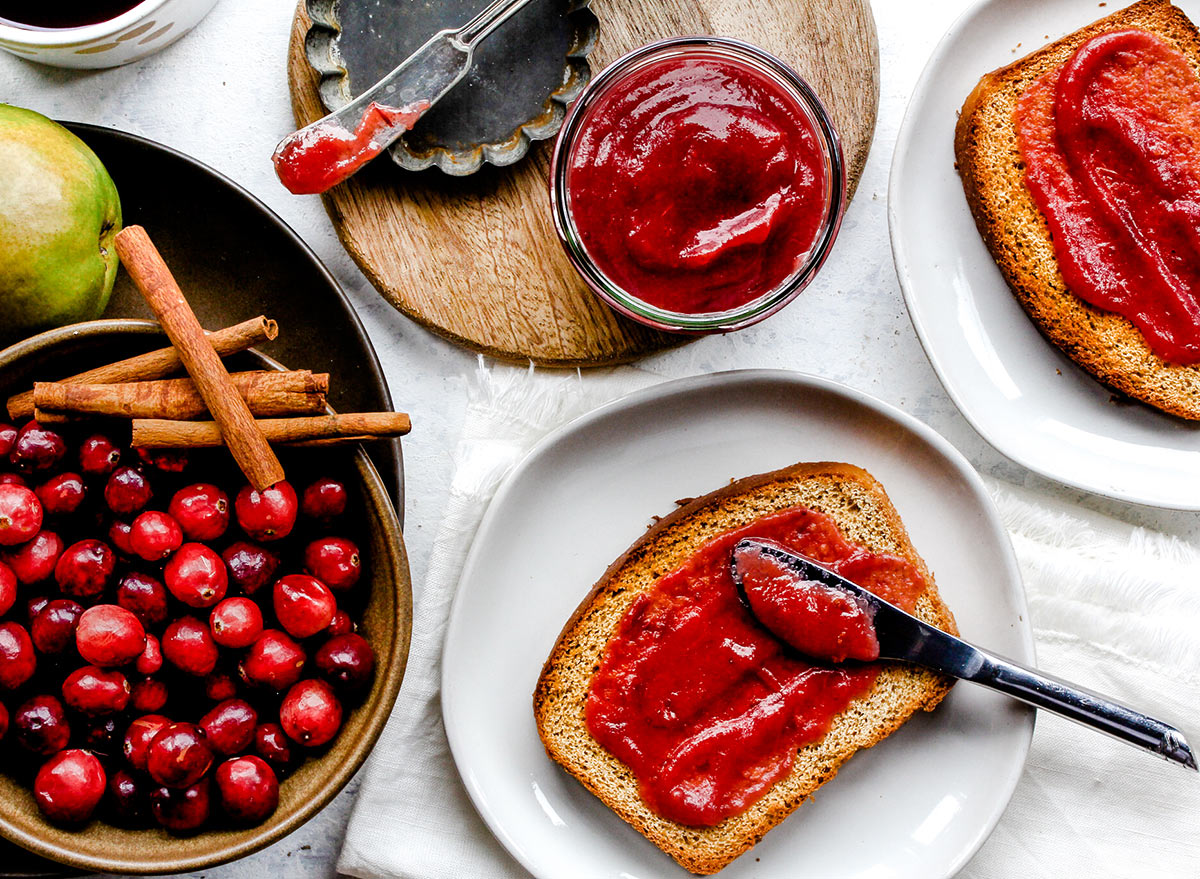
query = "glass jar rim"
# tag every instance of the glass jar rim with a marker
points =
(764, 305)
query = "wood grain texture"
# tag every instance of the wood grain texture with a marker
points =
(476, 259)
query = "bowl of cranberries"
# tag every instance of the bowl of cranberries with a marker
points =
(189, 669)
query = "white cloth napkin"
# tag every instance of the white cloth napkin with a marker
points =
(1113, 607)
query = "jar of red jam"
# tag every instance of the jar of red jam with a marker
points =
(698, 184)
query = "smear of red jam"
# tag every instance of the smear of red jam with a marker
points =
(704, 705)
(699, 185)
(1111, 143)
(823, 622)
(326, 155)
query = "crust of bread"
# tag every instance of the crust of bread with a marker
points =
(862, 510)
(1105, 344)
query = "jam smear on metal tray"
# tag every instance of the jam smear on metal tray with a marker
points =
(1111, 144)
(328, 154)
(705, 705)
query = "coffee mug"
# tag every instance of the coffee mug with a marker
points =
(143, 30)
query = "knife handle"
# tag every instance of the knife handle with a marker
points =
(1080, 705)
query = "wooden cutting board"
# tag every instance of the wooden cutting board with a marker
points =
(476, 258)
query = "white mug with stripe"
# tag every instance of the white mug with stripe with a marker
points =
(143, 30)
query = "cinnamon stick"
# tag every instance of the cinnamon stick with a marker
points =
(267, 393)
(237, 426)
(159, 363)
(349, 427)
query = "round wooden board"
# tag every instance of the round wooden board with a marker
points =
(476, 258)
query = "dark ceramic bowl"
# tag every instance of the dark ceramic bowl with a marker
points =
(385, 613)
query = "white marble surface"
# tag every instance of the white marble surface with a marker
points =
(220, 95)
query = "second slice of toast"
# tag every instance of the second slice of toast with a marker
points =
(989, 161)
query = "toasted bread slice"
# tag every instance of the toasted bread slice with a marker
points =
(1107, 345)
(860, 507)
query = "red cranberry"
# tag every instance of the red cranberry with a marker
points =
(20, 514)
(101, 736)
(93, 691)
(269, 514)
(188, 645)
(196, 576)
(139, 735)
(108, 635)
(179, 755)
(61, 495)
(334, 561)
(119, 534)
(8, 437)
(40, 725)
(148, 695)
(35, 606)
(82, 571)
(126, 797)
(18, 661)
(164, 460)
(346, 661)
(181, 810)
(236, 622)
(202, 511)
(248, 789)
(324, 500)
(303, 605)
(341, 624)
(12, 479)
(34, 561)
(53, 629)
(8, 588)
(154, 535)
(145, 597)
(250, 566)
(36, 448)
(127, 491)
(220, 686)
(271, 743)
(69, 786)
(151, 659)
(98, 456)
(230, 726)
(310, 713)
(274, 660)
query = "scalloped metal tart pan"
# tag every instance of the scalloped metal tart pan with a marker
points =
(525, 75)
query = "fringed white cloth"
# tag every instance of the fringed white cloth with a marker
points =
(1117, 609)
(1113, 607)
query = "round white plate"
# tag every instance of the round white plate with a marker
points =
(917, 805)
(1019, 391)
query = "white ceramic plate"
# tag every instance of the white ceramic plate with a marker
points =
(1020, 392)
(918, 805)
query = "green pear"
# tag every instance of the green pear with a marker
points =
(59, 214)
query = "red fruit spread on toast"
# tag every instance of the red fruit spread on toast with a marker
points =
(698, 186)
(328, 154)
(1111, 143)
(819, 621)
(704, 705)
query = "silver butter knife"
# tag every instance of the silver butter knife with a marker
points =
(405, 94)
(902, 636)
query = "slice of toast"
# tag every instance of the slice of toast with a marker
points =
(1107, 345)
(861, 509)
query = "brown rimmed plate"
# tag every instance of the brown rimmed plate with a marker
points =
(235, 258)
(383, 604)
